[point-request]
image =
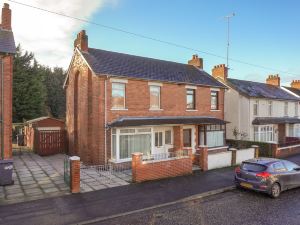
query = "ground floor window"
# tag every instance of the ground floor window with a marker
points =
(127, 141)
(212, 135)
(264, 133)
(294, 130)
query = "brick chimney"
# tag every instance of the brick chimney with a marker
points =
(220, 71)
(196, 61)
(273, 80)
(6, 17)
(295, 84)
(81, 41)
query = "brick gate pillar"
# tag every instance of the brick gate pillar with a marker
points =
(178, 138)
(256, 150)
(135, 163)
(75, 174)
(233, 156)
(275, 152)
(203, 157)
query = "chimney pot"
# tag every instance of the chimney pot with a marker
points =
(273, 80)
(196, 61)
(220, 71)
(81, 41)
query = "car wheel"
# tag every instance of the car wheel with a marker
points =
(275, 190)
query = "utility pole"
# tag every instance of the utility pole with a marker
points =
(228, 37)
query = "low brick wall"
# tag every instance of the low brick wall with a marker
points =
(282, 152)
(159, 169)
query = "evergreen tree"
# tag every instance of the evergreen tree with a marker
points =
(29, 92)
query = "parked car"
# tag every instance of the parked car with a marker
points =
(271, 176)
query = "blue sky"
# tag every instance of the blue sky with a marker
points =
(262, 32)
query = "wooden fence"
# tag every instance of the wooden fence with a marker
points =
(49, 142)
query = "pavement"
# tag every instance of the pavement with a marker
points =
(92, 206)
(86, 206)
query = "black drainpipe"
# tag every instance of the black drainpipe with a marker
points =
(2, 111)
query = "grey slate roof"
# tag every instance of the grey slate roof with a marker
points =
(140, 121)
(275, 120)
(294, 90)
(260, 90)
(124, 65)
(7, 42)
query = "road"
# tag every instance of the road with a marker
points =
(229, 208)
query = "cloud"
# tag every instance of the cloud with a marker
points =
(50, 37)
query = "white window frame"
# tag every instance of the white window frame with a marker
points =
(270, 108)
(118, 134)
(124, 103)
(256, 104)
(259, 132)
(286, 108)
(159, 97)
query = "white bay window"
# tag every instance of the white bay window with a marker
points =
(264, 133)
(127, 141)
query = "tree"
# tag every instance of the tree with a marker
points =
(29, 92)
(56, 99)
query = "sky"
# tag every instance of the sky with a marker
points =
(264, 33)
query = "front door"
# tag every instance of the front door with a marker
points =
(162, 140)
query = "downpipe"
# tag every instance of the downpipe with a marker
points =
(2, 111)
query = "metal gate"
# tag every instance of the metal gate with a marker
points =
(67, 170)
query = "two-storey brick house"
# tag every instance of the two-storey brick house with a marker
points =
(118, 104)
(263, 112)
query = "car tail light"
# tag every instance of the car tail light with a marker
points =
(238, 170)
(264, 175)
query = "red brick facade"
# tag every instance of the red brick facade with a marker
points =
(89, 107)
(6, 65)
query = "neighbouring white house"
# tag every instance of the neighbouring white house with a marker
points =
(263, 112)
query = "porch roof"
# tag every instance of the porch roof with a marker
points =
(275, 120)
(144, 121)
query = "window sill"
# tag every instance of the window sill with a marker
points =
(191, 110)
(118, 109)
(155, 109)
(215, 110)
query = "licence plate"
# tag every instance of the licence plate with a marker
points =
(246, 185)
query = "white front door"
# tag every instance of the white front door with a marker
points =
(162, 139)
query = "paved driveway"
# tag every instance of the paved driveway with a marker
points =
(34, 178)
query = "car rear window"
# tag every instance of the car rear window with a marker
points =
(252, 167)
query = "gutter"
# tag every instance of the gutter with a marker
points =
(105, 121)
(2, 111)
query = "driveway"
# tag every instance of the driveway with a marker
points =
(34, 178)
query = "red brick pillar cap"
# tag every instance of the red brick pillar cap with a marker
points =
(203, 146)
(75, 158)
(232, 149)
(255, 146)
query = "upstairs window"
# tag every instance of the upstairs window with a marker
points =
(296, 108)
(270, 108)
(286, 109)
(190, 99)
(214, 100)
(255, 108)
(154, 97)
(118, 96)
